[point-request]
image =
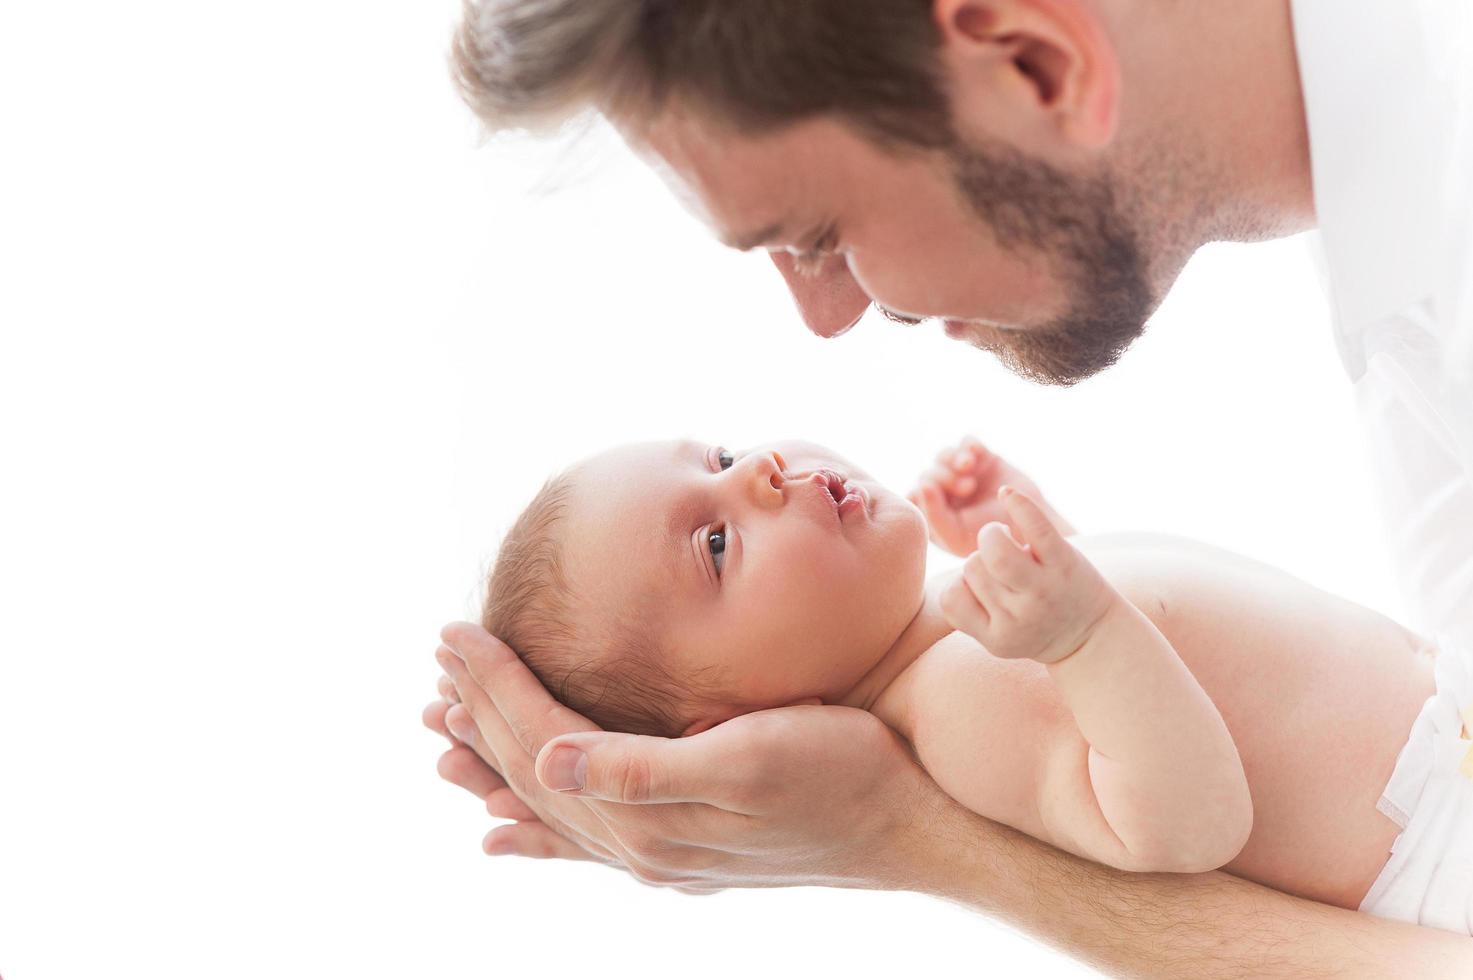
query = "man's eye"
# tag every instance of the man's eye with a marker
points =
(716, 540)
(725, 459)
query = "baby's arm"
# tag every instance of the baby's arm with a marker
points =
(1157, 784)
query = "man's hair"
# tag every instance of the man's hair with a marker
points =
(611, 673)
(759, 64)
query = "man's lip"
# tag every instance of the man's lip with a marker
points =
(957, 329)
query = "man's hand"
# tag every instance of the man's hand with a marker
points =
(807, 795)
(1026, 593)
(529, 836)
(958, 495)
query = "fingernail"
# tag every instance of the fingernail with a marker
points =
(460, 726)
(566, 770)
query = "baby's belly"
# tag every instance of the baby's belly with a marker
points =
(1319, 693)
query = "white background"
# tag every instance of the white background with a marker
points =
(284, 352)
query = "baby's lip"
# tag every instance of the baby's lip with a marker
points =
(831, 488)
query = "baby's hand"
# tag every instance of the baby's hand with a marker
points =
(1030, 596)
(958, 495)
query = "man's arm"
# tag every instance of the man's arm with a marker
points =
(830, 796)
(1204, 926)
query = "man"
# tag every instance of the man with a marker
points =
(1036, 173)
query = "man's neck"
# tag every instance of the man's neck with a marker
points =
(1214, 120)
(927, 627)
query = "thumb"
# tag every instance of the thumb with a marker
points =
(626, 768)
(1032, 524)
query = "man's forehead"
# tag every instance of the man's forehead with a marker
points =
(742, 187)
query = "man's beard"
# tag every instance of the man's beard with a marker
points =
(1079, 226)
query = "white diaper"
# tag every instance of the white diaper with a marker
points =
(1429, 876)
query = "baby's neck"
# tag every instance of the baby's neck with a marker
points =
(925, 629)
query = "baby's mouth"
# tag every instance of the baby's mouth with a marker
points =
(834, 484)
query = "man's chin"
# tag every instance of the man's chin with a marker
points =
(1058, 356)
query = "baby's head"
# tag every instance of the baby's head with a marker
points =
(662, 588)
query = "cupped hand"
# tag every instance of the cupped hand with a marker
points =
(958, 495)
(803, 795)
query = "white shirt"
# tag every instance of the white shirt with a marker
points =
(1388, 94)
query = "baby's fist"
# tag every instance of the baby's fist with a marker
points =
(1026, 593)
(958, 495)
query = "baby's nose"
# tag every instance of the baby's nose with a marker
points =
(769, 476)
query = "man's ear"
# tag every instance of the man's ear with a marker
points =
(720, 715)
(1020, 66)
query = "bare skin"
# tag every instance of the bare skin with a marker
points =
(1317, 694)
(1115, 89)
(898, 830)
(1306, 839)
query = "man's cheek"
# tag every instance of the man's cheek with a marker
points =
(904, 287)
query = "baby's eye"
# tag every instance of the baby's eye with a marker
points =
(725, 459)
(716, 540)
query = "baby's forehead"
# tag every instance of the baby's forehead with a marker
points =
(618, 541)
(635, 457)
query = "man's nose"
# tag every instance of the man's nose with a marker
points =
(830, 300)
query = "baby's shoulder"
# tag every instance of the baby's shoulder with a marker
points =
(956, 683)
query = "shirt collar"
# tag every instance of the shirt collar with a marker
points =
(1381, 97)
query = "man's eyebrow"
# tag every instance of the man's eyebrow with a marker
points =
(747, 242)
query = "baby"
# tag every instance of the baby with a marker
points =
(1133, 699)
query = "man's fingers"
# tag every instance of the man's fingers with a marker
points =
(464, 728)
(533, 839)
(642, 768)
(469, 771)
(433, 718)
(446, 687)
(531, 714)
(490, 738)
(1032, 525)
(503, 804)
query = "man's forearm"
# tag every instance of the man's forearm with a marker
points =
(1205, 926)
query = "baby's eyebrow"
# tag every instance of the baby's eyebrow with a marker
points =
(680, 521)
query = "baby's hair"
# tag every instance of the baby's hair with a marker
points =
(610, 672)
